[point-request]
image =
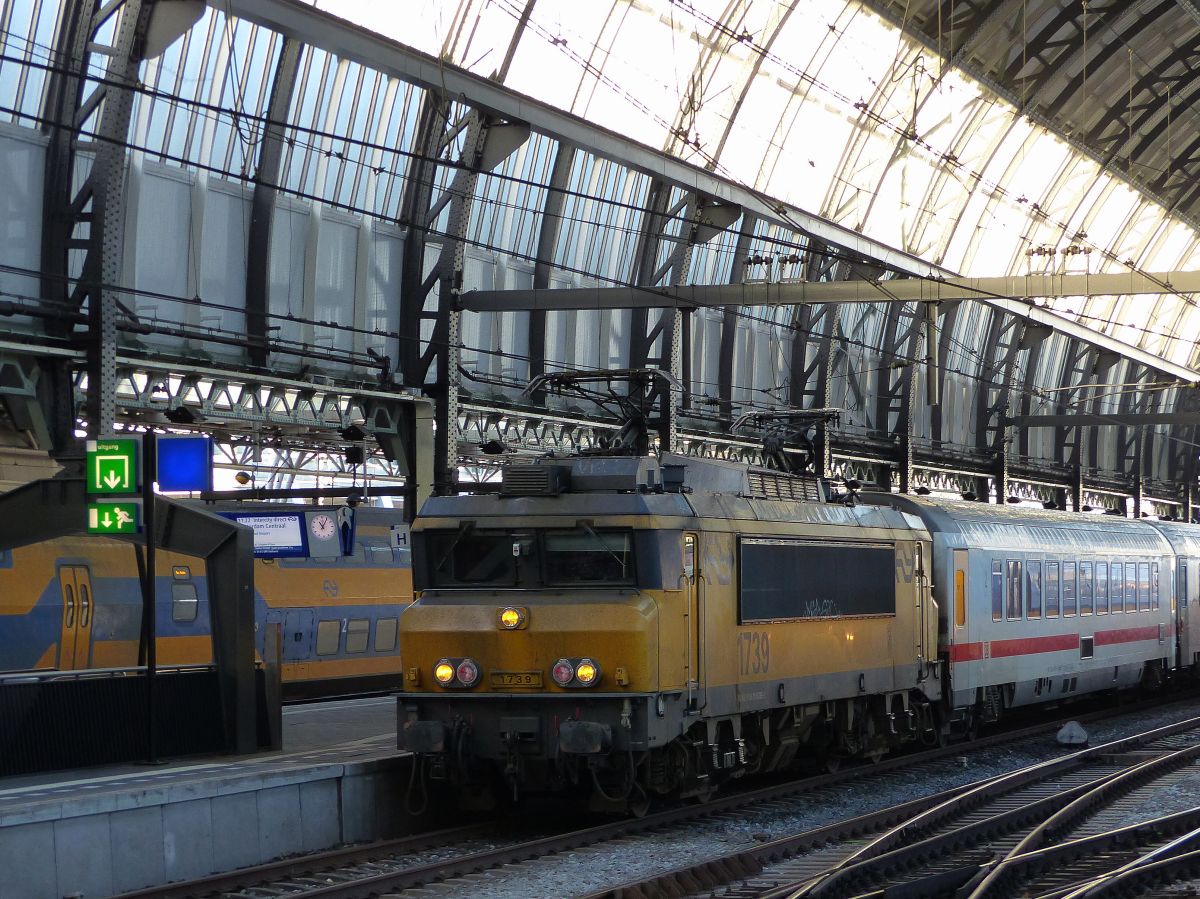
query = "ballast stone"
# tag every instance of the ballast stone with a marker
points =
(1072, 734)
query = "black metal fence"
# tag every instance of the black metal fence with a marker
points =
(57, 720)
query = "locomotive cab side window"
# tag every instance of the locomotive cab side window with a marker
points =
(786, 579)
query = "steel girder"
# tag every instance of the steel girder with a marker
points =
(262, 206)
(552, 213)
(90, 217)
(1058, 41)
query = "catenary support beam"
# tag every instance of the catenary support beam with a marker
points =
(800, 292)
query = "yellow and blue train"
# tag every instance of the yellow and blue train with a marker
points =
(334, 580)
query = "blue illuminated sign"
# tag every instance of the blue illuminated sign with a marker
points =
(184, 463)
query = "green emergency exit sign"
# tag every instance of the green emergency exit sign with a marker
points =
(112, 518)
(112, 465)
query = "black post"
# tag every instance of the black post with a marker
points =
(149, 474)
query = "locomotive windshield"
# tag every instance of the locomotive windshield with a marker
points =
(525, 559)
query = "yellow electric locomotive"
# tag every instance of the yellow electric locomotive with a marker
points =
(627, 627)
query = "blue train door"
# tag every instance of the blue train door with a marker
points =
(78, 610)
(297, 635)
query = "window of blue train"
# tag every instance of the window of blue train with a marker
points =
(385, 634)
(328, 636)
(358, 633)
(381, 555)
(184, 603)
(586, 556)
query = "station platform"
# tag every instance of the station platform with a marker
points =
(104, 831)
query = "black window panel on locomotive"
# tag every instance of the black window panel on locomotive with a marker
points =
(525, 559)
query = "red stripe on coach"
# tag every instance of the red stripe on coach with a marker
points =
(1127, 635)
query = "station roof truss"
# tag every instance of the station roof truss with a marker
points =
(268, 218)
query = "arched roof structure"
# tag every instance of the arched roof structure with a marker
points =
(291, 193)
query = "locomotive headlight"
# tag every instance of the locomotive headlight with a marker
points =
(468, 672)
(443, 672)
(587, 672)
(512, 618)
(563, 672)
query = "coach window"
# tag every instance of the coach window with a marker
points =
(1154, 597)
(1101, 588)
(1085, 588)
(1016, 608)
(1116, 586)
(1143, 571)
(960, 597)
(385, 634)
(358, 632)
(1034, 576)
(183, 602)
(1069, 603)
(1131, 587)
(1052, 602)
(328, 636)
(997, 591)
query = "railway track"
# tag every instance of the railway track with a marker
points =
(1040, 831)
(458, 856)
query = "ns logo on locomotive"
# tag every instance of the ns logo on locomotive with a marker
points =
(629, 627)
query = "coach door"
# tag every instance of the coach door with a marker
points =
(693, 613)
(1184, 591)
(78, 609)
(960, 631)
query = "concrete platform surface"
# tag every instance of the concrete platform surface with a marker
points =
(101, 832)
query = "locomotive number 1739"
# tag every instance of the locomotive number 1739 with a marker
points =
(754, 652)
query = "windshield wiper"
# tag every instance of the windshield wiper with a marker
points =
(463, 529)
(620, 560)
